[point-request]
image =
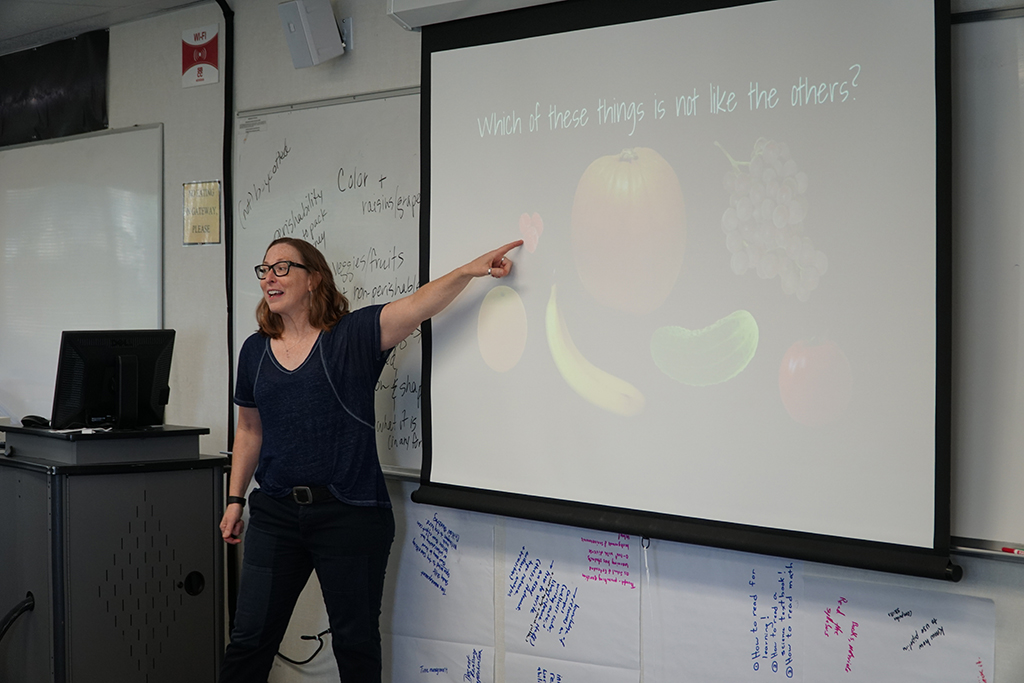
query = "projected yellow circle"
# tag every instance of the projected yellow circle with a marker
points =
(501, 328)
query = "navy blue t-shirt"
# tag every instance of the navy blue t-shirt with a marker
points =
(318, 420)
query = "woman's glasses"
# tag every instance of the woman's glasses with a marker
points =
(280, 268)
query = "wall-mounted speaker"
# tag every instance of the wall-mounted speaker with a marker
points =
(311, 31)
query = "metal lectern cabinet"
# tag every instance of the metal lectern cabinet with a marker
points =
(115, 535)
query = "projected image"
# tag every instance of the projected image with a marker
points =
(501, 328)
(629, 230)
(764, 224)
(711, 355)
(725, 300)
(815, 382)
(530, 229)
(597, 386)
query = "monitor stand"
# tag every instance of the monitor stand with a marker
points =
(167, 442)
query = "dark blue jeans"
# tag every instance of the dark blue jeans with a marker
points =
(347, 545)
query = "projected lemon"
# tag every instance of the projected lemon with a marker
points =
(501, 328)
(711, 355)
(628, 230)
(601, 388)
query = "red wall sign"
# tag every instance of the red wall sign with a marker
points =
(199, 65)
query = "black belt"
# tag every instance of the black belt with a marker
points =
(307, 495)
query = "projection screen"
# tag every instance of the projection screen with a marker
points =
(729, 320)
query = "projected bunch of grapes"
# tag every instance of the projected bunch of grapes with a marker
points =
(764, 224)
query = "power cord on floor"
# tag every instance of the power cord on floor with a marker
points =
(318, 637)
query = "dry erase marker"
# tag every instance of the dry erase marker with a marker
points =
(1015, 551)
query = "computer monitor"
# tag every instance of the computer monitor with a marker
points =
(112, 378)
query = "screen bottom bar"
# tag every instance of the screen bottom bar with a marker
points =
(923, 562)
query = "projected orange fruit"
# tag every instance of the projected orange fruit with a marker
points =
(629, 230)
(815, 382)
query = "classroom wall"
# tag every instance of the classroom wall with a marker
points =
(145, 87)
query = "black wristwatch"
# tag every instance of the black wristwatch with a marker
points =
(236, 499)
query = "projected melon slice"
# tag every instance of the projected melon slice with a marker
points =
(501, 328)
(708, 356)
(629, 230)
(601, 388)
(815, 382)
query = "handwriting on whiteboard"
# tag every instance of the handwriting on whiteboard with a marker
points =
(399, 427)
(474, 666)
(306, 218)
(436, 670)
(837, 624)
(551, 602)
(545, 676)
(260, 189)
(353, 276)
(771, 595)
(370, 261)
(376, 195)
(608, 561)
(433, 543)
(924, 636)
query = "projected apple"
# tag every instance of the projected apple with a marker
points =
(531, 227)
(815, 382)
(629, 230)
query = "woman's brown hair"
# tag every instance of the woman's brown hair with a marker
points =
(326, 304)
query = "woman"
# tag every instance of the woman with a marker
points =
(305, 396)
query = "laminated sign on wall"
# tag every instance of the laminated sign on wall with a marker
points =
(199, 56)
(201, 214)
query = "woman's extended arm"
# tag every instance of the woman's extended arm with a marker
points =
(244, 456)
(399, 318)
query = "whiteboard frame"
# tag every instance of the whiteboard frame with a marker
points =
(985, 503)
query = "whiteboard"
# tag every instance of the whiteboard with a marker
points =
(80, 248)
(988, 307)
(344, 176)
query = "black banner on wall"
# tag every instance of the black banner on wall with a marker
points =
(56, 90)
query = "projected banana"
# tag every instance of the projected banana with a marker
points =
(601, 388)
